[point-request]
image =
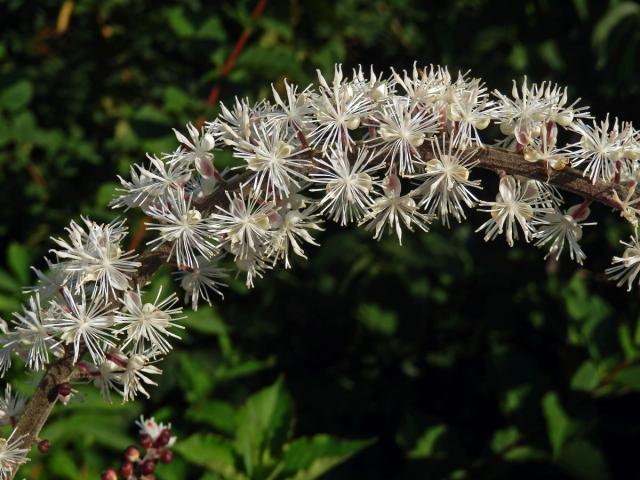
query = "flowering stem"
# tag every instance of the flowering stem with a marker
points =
(494, 159)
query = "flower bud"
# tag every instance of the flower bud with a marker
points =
(64, 389)
(43, 446)
(148, 467)
(126, 469)
(109, 474)
(166, 456)
(146, 441)
(131, 454)
(163, 439)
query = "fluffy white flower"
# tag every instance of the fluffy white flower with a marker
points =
(200, 281)
(147, 325)
(347, 186)
(519, 202)
(446, 187)
(401, 129)
(557, 228)
(338, 110)
(83, 324)
(93, 254)
(275, 160)
(391, 211)
(12, 455)
(184, 228)
(11, 406)
(33, 333)
(294, 230)
(626, 268)
(244, 226)
(199, 154)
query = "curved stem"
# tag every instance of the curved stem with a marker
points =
(489, 158)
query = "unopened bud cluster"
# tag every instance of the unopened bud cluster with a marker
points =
(140, 462)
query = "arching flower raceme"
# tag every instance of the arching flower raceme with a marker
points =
(401, 129)
(184, 227)
(393, 210)
(518, 203)
(347, 185)
(147, 324)
(626, 268)
(446, 187)
(557, 228)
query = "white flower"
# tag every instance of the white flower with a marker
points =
(557, 227)
(147, 325)
(338, 110)
(401, 129)
(347, 186)
(33, 332)
(198, 281)
(519, 202)
(184, 228)
(254, 265)
(294, 112)
(627, 267)
(151, 184)
(425, 87)
(83, 324)
(136, 375)
(244, 226)
(274, 158)
(293, 231)
(599, 148)
(11, 406)
(94, 255)
(12, 455)
(392, 210)
(446, 187)
(375, 88)
(200, 150)
(523, 115)
(470, 109)
(235, 124)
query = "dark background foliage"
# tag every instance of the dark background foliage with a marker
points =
(459, 359)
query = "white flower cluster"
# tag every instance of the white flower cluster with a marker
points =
(389, 153)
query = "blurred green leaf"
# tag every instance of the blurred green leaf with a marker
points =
(16, 96)
(264, 425)
(310, 458)
(559, 425)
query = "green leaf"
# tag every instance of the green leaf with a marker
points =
(377, 320)
(608, 23)
(309, 458)
(210, 451)
(8, 283)
(16, 96)
(218, 414)
(583, 460)
(19, 261)
(179, 23)
(586, 377)
(427, 445)
(559, 425)
(264, 425)
(629, 377)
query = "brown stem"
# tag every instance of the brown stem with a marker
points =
(489, 158)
